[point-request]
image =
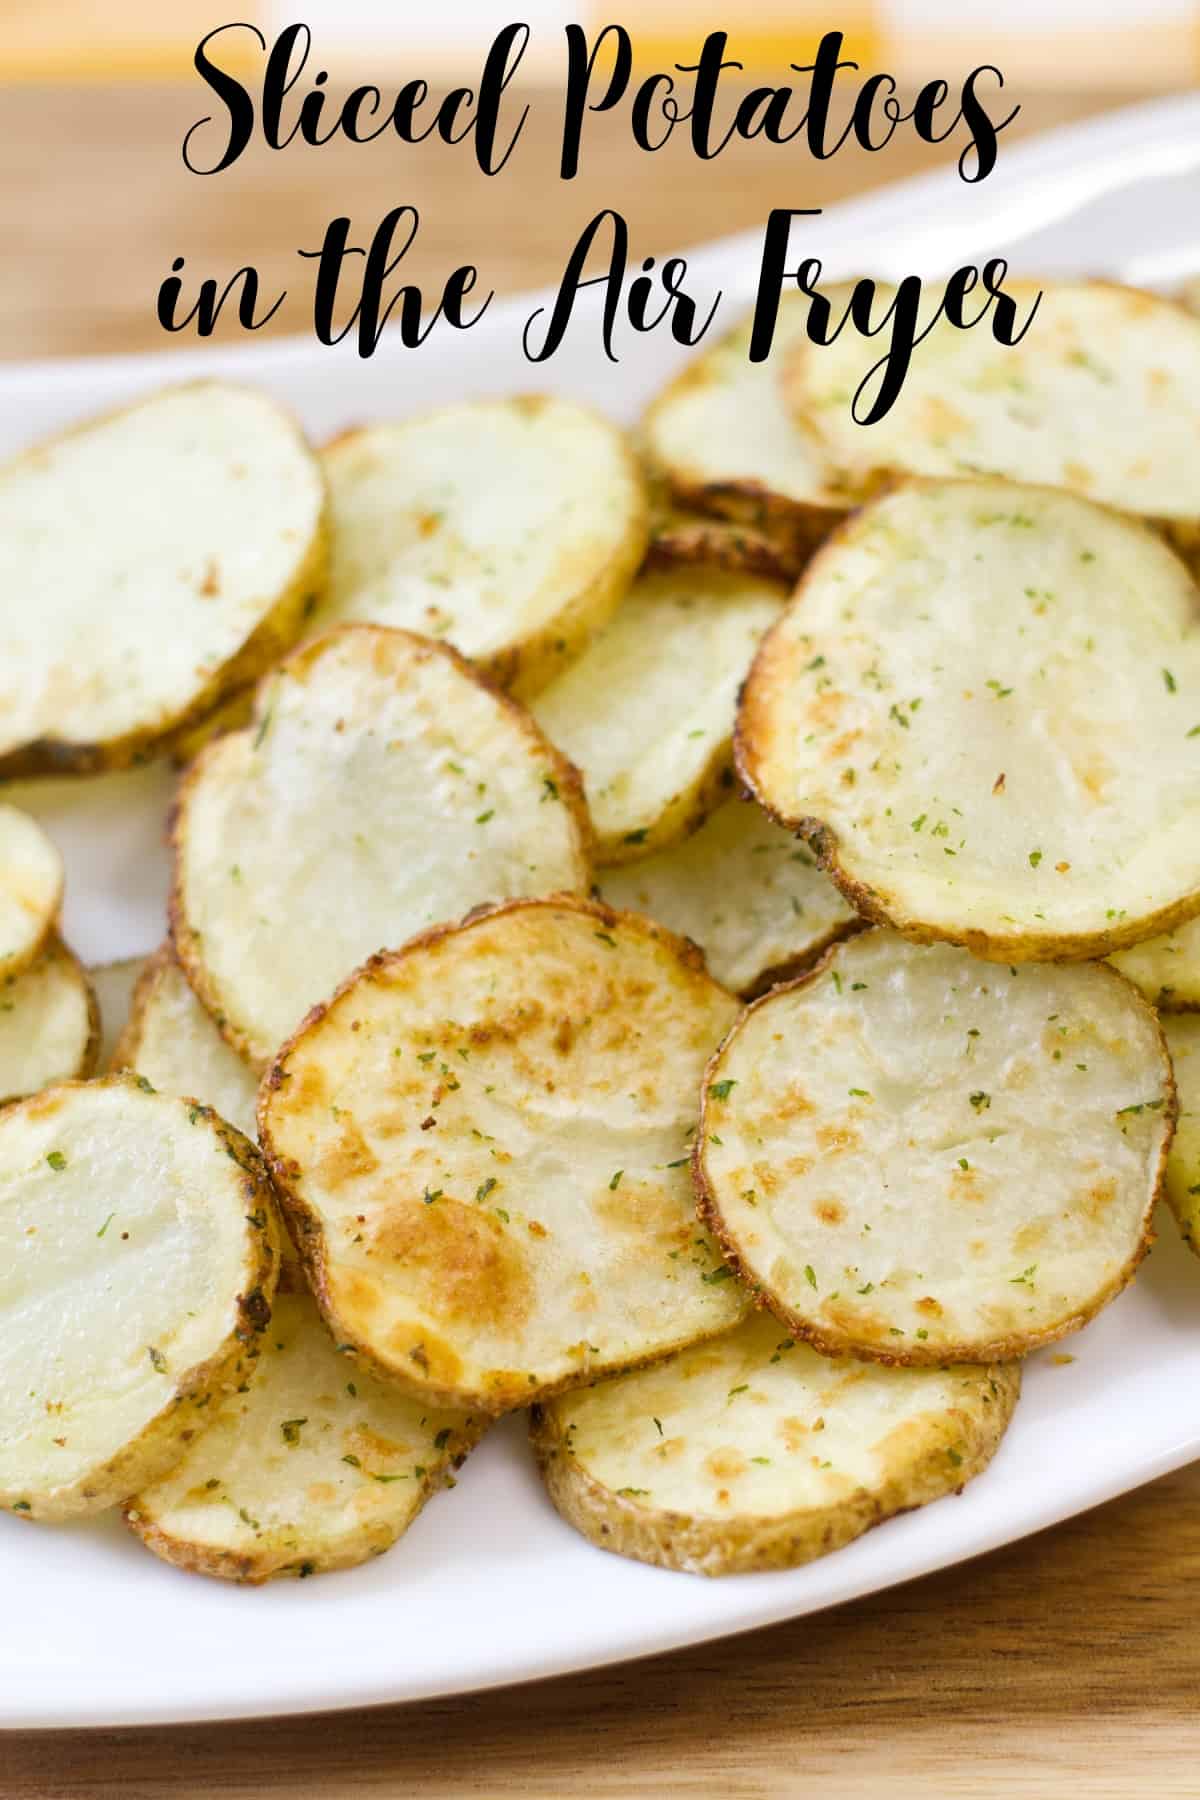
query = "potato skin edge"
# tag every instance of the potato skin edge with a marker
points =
(698, 1545)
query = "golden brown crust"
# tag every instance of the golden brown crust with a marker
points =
(304, 1223)
(704, 1545)
(1008, 1346)
(567, 779)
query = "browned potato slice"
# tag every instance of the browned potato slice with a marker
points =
(316, 1466)
(750, 1453)
(980, 708)
(508, 528)
(647, 711)
(383, 787)
(481, 1145)
(919, 1157)
(1182, 1032)
(141, 1258)
(166, 554)
(49, 1024)
(31, 889)
(170, 1039)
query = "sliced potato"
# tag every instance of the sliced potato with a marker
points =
(481, 1145)
(647, 711)
(682, 533)
(744, 890)
(113, 985)
(31, 889)
(170, 1039)
(723, 438)
(316, 1466)
(980, 706)
(49, 1024)
(136, 618)
(1166, 968)
(1182, 1032)
(384, 787)
(509, 528)
(749, 1453)
(919, 1157)
(1098, 397)
(140, 1258)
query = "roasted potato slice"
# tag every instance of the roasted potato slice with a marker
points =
(750, 1453)
(647, 711)
(481, 1145)
(316, 1466)
(31, 889)
(680, 533)
(1182, 1032)
(114, 984)
(1098, 397)
(166, 555)
(49, 1024)
(723, 438)
(508, 528)
(980, 706)
(141, 1258)
(742, 888)
(170, 1039)
(383, 787)
(919, 1157)
(1166, 968)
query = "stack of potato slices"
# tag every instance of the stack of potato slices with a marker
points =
(700, 943)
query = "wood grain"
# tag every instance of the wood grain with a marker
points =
(1066, 1665)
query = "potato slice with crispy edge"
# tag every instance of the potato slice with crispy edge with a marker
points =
(384, 787)
(49, 1024)
(509, 528)
(1166, 968)
(647, 711)
(31, 889)
(1182, 1032)
(744, 890)
(481, 1146)
(680, 533)
(170, 1039)
(140, 1256)
(114, 985)
(317, 1466)
(1097, 398)
(748, 1454)
(978, 707)
(920, 1157)
(137, 618)
(721, 435)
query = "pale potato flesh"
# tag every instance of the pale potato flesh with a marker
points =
(48, 1024)
(1167, 967)
(142, 552)
(497, 526)
(982, 700)
(381, 789)
(482, 1150)
(754, 1452)
(1098, 397)
(316, 1466)
(137, 1264)
(724, 423)
(172, 1041)
(921, 1155)
(1182, 1032)
(742, 888)
(647, 711)
(31, 888)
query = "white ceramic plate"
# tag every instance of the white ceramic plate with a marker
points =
(490, 1586)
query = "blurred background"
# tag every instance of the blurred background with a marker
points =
(96, 95)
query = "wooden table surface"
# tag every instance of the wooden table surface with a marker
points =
(1066, 1665)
